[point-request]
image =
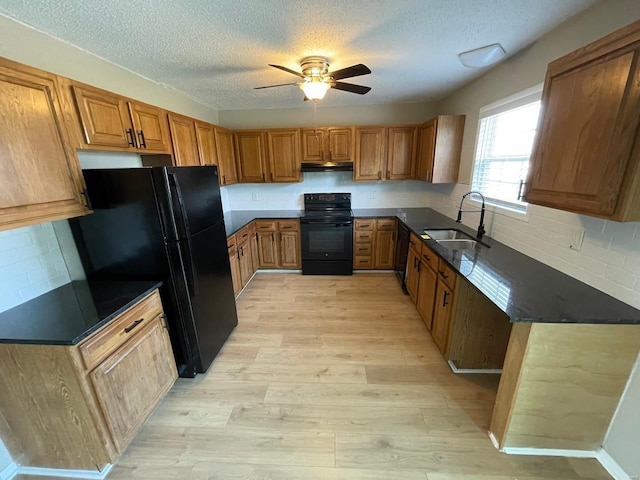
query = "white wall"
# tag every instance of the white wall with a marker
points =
(610, 256)
(277, 196)
(26, 45)
(5, 458)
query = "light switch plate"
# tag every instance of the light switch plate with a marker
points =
(577, 236)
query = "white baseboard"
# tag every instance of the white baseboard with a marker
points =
(611, 466)
(56, 472)
(8, 472)
(494, 441)
(455, 369)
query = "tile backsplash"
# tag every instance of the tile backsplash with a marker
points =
(31, 264)
(277, 196)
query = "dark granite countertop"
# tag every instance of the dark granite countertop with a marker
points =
(68, 314)
(236, 219)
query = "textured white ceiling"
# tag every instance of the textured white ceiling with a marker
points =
(217, 51)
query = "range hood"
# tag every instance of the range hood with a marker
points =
(326, 167)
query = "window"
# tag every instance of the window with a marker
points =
(505, 137)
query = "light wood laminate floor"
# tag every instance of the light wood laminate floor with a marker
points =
(330, 378)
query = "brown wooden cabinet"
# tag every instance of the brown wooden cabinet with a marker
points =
(112, 121)
(586, 156)
(234, 264)
(439, 149)
(413, 269)
(251, 153)
(283, 153)
(205, 135)
(374, 243)
(427, 284)
(278, 243)
(79, 406)
(41, 178)
(253, 245)
(370, 153)
(333, 144)
(363, 237)
(184, 140)
(401, 154)
(289, 235)
(226, 156)
(442, 316)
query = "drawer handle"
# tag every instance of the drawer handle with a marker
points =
(426, 257)
(412, 242)
(143, 143)
(363, 249)
(442, 272)
(444, 299)
(364, 236)
(286, 228)
(133, 325)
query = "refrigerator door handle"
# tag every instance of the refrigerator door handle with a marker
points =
(182, 224)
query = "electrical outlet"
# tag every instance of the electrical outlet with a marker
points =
(372, 194)
(575, 241)
(254, 196)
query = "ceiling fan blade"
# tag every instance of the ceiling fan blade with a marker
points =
(350, 87)
(352, 71)
(288, 70)
(271, 86)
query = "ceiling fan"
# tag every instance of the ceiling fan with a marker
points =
(316, 78)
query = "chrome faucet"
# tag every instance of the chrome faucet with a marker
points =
(481, 230)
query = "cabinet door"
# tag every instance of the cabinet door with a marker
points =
(226, 157)
(236, 275)
(427, 285)
(132, 381)
(426, 151)
(289, 249)
(442, 316)
(104, 117)
(401, 153)
(206, 144)
(41, 178)
(384, 244)
(250, 155)
(185, 143)
(371, 153)
(340, 144)
(255, 258)
(150, 125)
(413, 261)
(267, 249)
(245, 263)
(313, 145)
(587, 133)
(448, 148)
(284, 155)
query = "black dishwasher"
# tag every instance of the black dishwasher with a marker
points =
(401, 254)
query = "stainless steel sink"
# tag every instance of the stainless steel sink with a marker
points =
(454, 239)
(440, 235)
(466, 244)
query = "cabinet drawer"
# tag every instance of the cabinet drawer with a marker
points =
(446, 273)
(252, 228)
(364, 224)
(362, 262)
(242, 236)
(231, 242)
(387, 224)
(415, 243)
(288, 225)
(364, 237)
(363, 249)
(429, 257)
(108, 339)
(266, 226)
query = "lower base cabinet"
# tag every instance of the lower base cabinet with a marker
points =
(374, 243)
(77, 407)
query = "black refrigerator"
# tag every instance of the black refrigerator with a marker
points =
(165, 223)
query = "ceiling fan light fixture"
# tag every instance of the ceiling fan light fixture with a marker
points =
(315, 88)
(483, 56)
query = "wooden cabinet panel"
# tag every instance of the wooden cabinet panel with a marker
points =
(429, 257)
(413, 275)
(427, 284)
(362, 224)
(206, 144)
(250, 155)
(266, 225)
(371, 152)
(313, 145)
(340, 144)
(384, 249)
(132, 381)
(290, 249)
(442, 316)
(447, 274)
(104, 117)
(586, 158)
(440, 147)
(185, 142)
(150, 125)
(401, 153)
(284, 155)
(267, 249)
(42, 180)
(364, 236)
(246, 263)
(253, 244)
(236, 274)
(226, 157)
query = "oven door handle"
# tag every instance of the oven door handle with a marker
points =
(329, 224)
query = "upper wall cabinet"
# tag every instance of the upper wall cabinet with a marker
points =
(184, 140)
(251, 156)
(226, 157)
(385, 153)
(401, 153)
(206, 137)
(110, 121)
(283, 153)
(439, 149)
(586, 157)
(333, 144)
(41, 178)
(268, 155)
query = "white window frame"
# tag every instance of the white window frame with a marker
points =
(511, 102)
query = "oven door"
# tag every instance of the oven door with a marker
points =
(326, 240)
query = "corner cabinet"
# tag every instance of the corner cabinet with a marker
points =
(41, 177)
(439, 149)
(586, 157)
(79, 406)
(184, 139)
(226, 156)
